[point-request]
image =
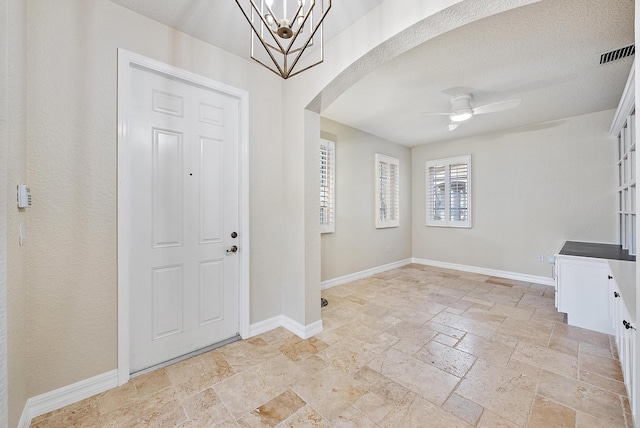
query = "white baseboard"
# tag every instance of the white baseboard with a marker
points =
(363, 274)
(294, 327)
(544, 280)
(58, 398)
(264, 326)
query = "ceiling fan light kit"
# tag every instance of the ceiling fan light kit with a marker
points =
(285, 29)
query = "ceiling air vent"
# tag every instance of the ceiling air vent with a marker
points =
(617, 54)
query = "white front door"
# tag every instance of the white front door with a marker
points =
(181, 161)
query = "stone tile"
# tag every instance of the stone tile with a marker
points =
(281, 373)
(609, 384)
(407, 330)
(463, 408)
(199, 373)
(494, 352)
(383, 342)
(584, 420)
(449, 331)
(445, 340)
(373, 406)
(200, 402)
(246, 354)
(504, 391)
(352, 417)
(523, 314)
(382, 386)
(216, 415)
(479, 328)
(274, 411)
(582, 335)
(524, 368)
(347, 357)
(276, 336)
(244, 392)
(116, 398)
(431, 383)
(592, 349)
(420, 411)
(535, 332)
(307, 417)
(160, 409)
(409, 346)
(330, 392)
(296, 348)
(491, 420)
(581, 396)
(151, 383)
(547, 413)
(547, 359)
(445, 358)
(83, 415)
(564, 345)
(485, 315)
(603, 366)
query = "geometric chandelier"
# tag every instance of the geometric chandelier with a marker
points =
(285, 30)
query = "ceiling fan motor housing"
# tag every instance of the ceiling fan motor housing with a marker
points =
(461, 108)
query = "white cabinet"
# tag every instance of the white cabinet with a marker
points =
(622, 299)
(583, 292)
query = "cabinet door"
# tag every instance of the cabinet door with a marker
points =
(584, 294)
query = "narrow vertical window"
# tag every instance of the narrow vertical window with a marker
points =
(387, 181)
(448, 186)
(327, 186)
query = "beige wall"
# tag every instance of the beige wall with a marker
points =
(356, 244)
(72, 172)
(533, 188)
(16, 169)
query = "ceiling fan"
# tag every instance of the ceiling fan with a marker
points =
(461, 109)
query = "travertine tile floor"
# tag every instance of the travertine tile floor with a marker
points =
(412, 347)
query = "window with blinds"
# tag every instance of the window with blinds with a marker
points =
(327, 186)
(448, 186)
(387, 181)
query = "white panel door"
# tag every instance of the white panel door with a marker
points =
(182, 164)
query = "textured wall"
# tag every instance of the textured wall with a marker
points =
(72, 75)
(356, 244)
(532, 189)
(16, 173)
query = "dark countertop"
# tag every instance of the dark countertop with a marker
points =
(596, 250)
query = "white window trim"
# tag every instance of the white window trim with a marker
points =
(329, 225)
(395, 221)
(445, 222)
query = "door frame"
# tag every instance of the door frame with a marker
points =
(126, 60)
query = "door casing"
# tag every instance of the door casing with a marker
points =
(126, 60)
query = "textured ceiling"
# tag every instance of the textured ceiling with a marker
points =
(545, 54)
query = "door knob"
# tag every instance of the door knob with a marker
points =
(232, 250)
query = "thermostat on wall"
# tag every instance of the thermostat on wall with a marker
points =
(24, 196)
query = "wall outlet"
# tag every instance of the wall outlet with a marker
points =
(540, 257)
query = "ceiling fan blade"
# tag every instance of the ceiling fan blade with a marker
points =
(495, 107)
(434, 113)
